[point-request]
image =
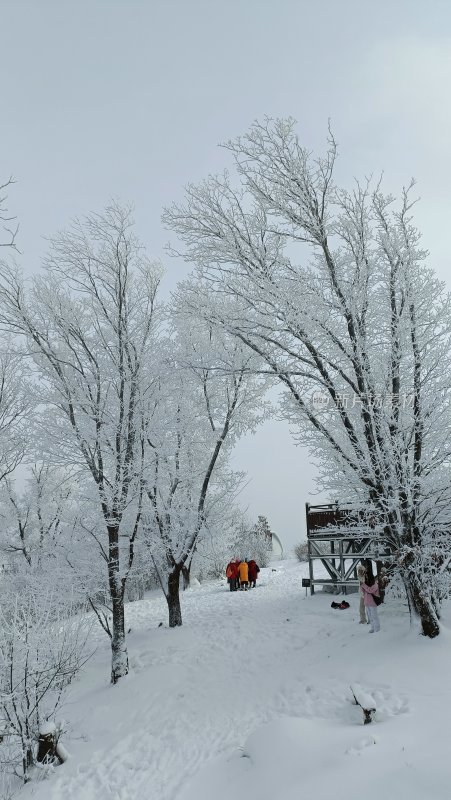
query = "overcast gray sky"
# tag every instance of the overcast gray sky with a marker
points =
(130, 98)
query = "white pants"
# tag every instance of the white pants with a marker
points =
(362, 611)
(373, 617)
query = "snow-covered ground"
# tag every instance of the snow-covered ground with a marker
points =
(251, 698)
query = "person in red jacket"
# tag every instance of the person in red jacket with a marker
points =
(232, 575)
(254, 569)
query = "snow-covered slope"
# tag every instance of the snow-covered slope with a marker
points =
(251, 697)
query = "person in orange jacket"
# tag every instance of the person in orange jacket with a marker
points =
(243, 571)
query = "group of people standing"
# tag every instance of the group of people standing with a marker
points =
(242, 574)
(369, 590)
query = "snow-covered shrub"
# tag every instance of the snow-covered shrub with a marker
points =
(43, 644)
(301, 551)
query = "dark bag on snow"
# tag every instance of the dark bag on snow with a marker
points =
(342, 605)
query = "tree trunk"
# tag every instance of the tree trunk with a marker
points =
(173, 598)
(380, 582)
(416, 584)
(423, 605)
(27, 760)
(119, 656)
(186, 575)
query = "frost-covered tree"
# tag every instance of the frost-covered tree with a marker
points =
(83, 554)
(15, 400)
(9, 225)
(16, 407)
(32, 518)
(217, 544)
(254, 540)
(89, 325)
(329, 288)
(208, 397)
(261, 541)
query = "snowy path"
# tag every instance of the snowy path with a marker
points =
(240, 661)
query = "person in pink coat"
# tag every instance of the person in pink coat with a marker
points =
(370, 589)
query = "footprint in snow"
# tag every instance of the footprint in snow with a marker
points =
(362, 744)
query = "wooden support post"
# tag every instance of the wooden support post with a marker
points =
(342, 566)
(309, 550)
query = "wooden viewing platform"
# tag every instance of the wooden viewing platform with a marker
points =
(339, 551)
